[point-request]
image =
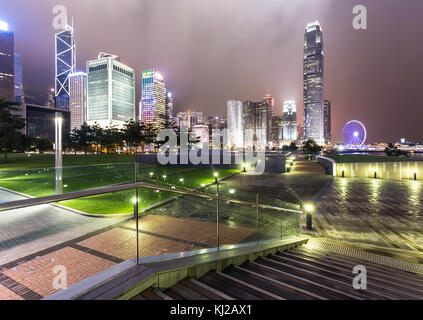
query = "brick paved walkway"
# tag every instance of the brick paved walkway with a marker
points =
(32, 277)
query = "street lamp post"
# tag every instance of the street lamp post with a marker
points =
(216, 179)
(58, 154)
(309, 210)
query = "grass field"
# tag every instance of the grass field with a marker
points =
(85, 173)
(19, 161)
(368, 158)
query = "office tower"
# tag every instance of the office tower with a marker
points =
(78, 99)
(65, 65)
(313, 83)
(153, 99)
(7, 63)
(328, 121)
(197, 117)
(289, 121)
(18, 79)
(271, 101)
(235, 124)
(277, 130)
(169, 109)
(183, 119)
(51, 98)
(110, 92)
(258, 122)
(201, 132)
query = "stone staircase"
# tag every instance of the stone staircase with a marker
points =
(304, 273)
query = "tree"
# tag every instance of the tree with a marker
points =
(43, 144)
(292, 147)
(10, 125)
(112, 138)
(394, 151)
(84, 137)
(97, 136)
(311, 147)
(132, 133)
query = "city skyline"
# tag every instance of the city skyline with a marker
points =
(357, 81)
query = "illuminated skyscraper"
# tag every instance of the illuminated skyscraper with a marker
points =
(110, 92)
(235, 124)
(19, 93)
(153, 99)
(258, 120)
(7, 66)
(313, 83)
(328, 121)
(169, 108)
(65, 65)
(78, 99)
(289, 121)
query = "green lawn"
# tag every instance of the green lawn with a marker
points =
(19, 161)
(41, 182)
(368, 158)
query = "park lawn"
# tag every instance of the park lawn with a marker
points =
(20, 161)
(368, 158)
(40, 183)
(122, 202)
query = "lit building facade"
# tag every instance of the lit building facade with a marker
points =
(7, 63)
(19, 93)
(169, 108)
(328, 121)
(65, 65)
(201, 131)
(289, 121)
(153, 99)
(110, 92)
(313, 83)
(78, 99)
(258, 121)
(235, 123)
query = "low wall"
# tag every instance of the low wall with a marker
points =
(410, 170)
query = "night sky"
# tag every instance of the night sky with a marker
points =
(210, 51)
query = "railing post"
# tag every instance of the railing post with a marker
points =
(258, 220)
(136, 213)
(217, 215)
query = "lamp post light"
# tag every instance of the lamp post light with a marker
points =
(216, 175)
(58, 152)
(309, 210)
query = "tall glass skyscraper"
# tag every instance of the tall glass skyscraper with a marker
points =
(328, 121)
(18, 79)
(110, 92)
(289, 121)
(313, 83)
(169, 108)
(153, 99)
(65, 65)
(7, 63)
(235, 123)
(78, 99)
(258, 121)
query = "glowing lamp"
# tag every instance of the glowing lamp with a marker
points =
(4, 26)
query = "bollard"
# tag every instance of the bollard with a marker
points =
(309, 209)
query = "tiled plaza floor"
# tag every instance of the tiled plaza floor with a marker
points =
(33, 277)
(375, 212)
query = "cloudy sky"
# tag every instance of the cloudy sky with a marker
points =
(210, 51)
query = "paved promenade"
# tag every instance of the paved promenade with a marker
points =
(381, 213)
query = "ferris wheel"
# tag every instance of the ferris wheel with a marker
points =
(354, 134)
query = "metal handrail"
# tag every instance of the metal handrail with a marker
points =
(117, 188)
